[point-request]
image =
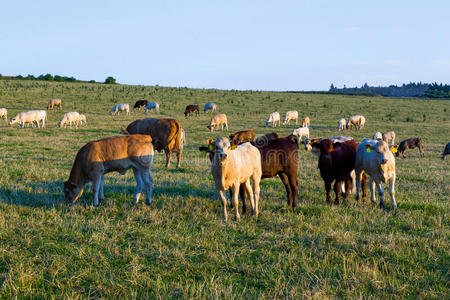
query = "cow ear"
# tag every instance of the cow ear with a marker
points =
(209, 141)
(393, 148)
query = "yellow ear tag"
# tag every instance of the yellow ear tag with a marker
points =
(368, 150)
(211, 147)
(233, 146)
(394, 150)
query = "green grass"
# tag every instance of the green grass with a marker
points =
(178, 247)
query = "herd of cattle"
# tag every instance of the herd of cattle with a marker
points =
(235, 160)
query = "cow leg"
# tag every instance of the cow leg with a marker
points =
(148, 179)
(226, 126)
(223, 199)
(337, 187)
(178, 159)
(139, 181)
(168, 155)
(294, 189)
(392, 192)
(358, 184)
(348, 185)
(364, 184)
(96, 182)
(284, 178)
(328, 190)
(381, 193)
(372, 189)
(257, 192)
(243, 195)
(101, 196)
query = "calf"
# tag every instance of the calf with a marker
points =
(242, 137)
(389, 136)
(233, 166)
(152, 105)
(216, 121)
(120, 107)
(341, 124)
(117, 154)
(53, 103)
(139, 104)
(410, 143)
(446, 151)
(210, 107)
(374, 158)
(191, 109)
(291, 115)
(306, 122)
(4, 114)
(29, 117)
(357, 121)
(274, 118)
(302, 131)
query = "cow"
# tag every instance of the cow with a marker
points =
(120, 107)
(82, 119)
(306, 122)
(166, 135)
(357, 121)
(152, 105)
(53, 103)
(374, 158)
(274, 118)
(300, 132)
(242, 137)
(191, 109)
(210, 107)
(32, 116)
(113, 154)
(446, 151)
(291, 115)
(232, 166)
(341, 124)
(216, 121)
(69, 118)
(139, 104)
(410, 143)
(4, 114)
(389, 136)
(377, 136)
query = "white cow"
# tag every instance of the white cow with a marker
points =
(377, 136)
(4, 114)
(341, 124)
(210, 107)
(32, 117)
(389, 136)
(357, 121)
(69, 118)
(152, 105)
(302, 131)
(291, 115)
(274, 118)
(375, 158)
(120, 107)
(216, 121)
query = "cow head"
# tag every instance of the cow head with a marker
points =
(324, 147)
(381, 152)
(210, 127)
(222, 149)
(13, 121)
(267, 124)
(72, 191)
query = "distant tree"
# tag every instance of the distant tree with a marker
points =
(110, 80)
(58, 78)
(332, 87)
(92, 81)
(48, 77)
(19, 76)
(30, 77)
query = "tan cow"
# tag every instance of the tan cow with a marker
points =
(375, 158)
(341, 124)
(53, 103)
(233, 165)
(291, 115)
(216, 121)
(389, 136)
(357, 121)
(273, 118)
(4, 114)
(306, 122)
(114, 154)
(166, 134)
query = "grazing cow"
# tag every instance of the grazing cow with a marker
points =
(302, 131)
(242, 137)
(117, 154)
(4, 114)
(446, 151)
(152, 105)
(216, 121)
(389, 136)
(291, 115)
(139, 104)
(120, 107)
(69, 118)
(191, 109)
(53, 103)
(410, 143)
(377, 136)
(210, 107)
(32, 116)
(274, 118)
(232, 166)
(374, 158)
(166, 135)
(357, 121)
(306, 122)
(341, 124)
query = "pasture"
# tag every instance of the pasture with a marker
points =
(179, 247)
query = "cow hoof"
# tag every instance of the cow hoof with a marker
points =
(148, 203)
(101, 200)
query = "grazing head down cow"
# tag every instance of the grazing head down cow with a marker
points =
(53, 103)
(446, 151)
(166, 135)
(291, 115)
(410, 143)
(306, 122)
(232, 166)
(357, 121)
(375, 158)
(191, 109)
(274, 118)
(32, 117)
(217, 121)
(69, 118)
(300, 132)
(152, 105)
(210, 107)
(117, 154)
(139, 104)
(120, 107)
(242, 137)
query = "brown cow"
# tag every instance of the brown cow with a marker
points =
(54, 102)
(118, 154)
(242, 137)
(166, 134)
(192, 109)
(410, 143)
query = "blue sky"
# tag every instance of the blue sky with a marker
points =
(259, 45)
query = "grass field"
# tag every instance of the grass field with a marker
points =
(179, 247)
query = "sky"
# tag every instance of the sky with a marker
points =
(245, 45)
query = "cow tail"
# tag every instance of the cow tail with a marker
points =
(177, 137)
(124, 131)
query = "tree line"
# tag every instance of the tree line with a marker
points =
(58, 78)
